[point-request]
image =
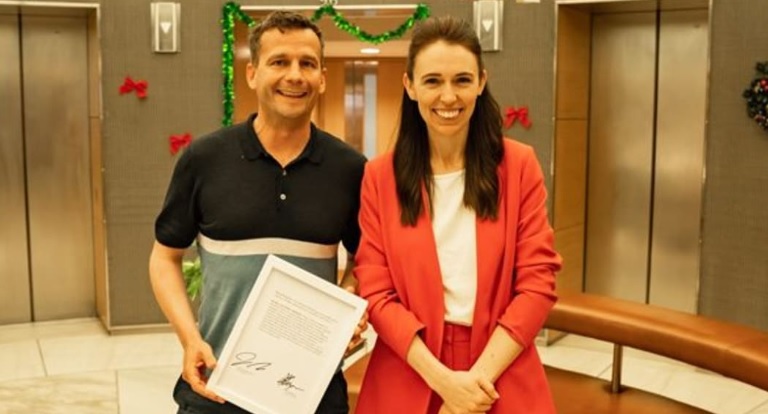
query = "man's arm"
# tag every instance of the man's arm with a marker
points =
(171, 294)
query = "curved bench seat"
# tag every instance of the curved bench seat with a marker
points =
(730, 349)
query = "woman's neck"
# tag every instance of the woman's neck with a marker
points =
(446, 154)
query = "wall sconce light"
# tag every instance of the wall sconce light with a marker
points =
(488, 19)
(166, 19)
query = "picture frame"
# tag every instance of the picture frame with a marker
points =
(287, 342)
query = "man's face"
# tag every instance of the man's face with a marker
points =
(288, 77)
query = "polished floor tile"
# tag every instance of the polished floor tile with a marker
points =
(90, 393)
(19, 360)
(147, 390)
(102, 352)
(577, 359)
(712, 392)
(54, 329)
(761, 409)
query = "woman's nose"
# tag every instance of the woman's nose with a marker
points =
(447, 95)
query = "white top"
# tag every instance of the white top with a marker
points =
(454, 228)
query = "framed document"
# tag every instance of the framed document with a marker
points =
(287, 342)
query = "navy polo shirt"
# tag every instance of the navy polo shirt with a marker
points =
(241, 205)
(227, 187)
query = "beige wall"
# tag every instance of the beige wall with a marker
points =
(734, 278)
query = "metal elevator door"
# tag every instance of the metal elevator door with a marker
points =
(46, 242)
(645, 162)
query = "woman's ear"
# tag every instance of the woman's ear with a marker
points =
(409, 87)
(483, 81)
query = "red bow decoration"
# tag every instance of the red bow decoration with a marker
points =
(129, 85)
(520, 114)
(177, 142)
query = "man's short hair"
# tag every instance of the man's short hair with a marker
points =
(282, 21)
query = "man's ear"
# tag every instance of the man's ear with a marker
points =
(323, 71)
(409, 87)
(250, 75)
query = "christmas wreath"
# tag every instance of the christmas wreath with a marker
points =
(757, 96)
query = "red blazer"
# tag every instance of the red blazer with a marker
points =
(399, 275)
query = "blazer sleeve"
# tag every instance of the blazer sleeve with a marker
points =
(393, 322)
(536, 261)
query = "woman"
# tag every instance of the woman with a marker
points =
(456, 257)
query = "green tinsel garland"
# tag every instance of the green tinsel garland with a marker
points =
(232, 10)
(421, 13)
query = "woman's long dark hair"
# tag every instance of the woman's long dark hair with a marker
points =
(484, 149)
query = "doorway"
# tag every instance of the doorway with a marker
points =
(643, 76)
(46, 214)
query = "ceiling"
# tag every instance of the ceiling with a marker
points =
(629, 6)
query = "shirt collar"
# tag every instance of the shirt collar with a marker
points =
(253, 149)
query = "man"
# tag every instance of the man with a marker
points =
(272, 185)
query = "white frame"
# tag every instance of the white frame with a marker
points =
(318, 315)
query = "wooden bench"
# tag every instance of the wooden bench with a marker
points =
(729, 349)
(732, 350)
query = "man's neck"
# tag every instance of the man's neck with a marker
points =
(284, 141)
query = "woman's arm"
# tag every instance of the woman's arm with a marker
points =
(498, 354)
(396, 325)
(536, 262)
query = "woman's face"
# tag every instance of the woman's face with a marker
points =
(446, 83)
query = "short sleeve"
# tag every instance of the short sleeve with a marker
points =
(176, 225)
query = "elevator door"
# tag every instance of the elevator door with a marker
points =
(46, 247)
(645, 164)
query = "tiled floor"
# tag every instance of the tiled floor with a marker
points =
(75, 367)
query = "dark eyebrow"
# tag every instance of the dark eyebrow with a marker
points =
(431, 75)
(440, 75)
(285, 56)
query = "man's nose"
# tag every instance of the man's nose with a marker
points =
(294, 71)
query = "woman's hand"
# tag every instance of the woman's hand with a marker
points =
(466, 392)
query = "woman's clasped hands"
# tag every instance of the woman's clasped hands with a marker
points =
(466, 392)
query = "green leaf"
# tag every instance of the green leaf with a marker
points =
(193, 277)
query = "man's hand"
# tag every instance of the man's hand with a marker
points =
(362, 325)
(198, 357)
